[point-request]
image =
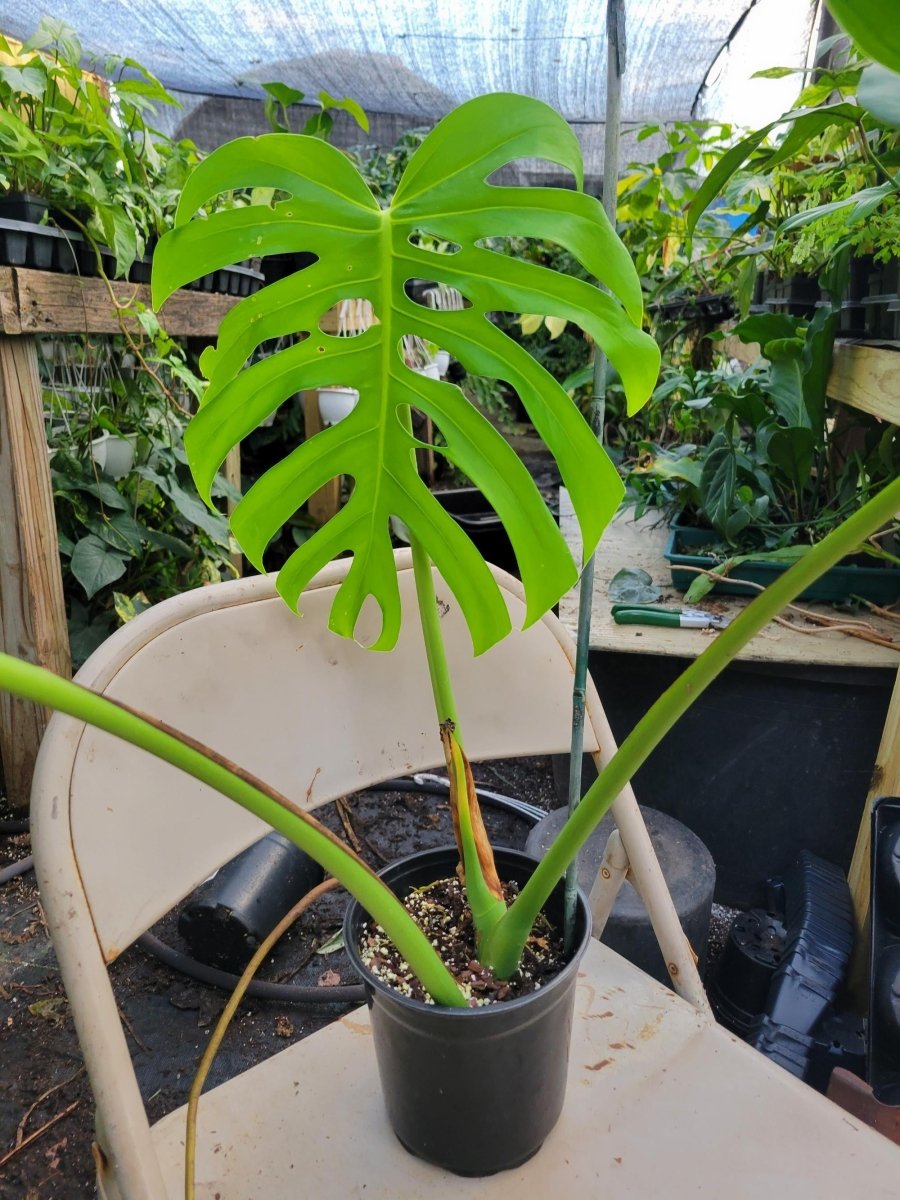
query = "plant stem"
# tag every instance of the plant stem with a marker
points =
(44, 688)
(435, 652)
(483, 888)
(507, 940)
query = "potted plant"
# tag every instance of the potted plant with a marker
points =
(781, 465)
(445, 189)
(391, 366)
(824, 191)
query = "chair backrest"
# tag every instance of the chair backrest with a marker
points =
(119, 837)
(315, 715)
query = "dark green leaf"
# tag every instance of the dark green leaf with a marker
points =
(167, 541)
(817, 358)
(718, 480)
(120, 531)
(763, 327)
(86, 635)
(103, 491)
(792, 450)
(785, 383)
(94, 564)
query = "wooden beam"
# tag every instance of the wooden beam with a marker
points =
(32, 609)
(868, 378)
(232, 472)
(46, 302)
(885, 782)
(864, 377)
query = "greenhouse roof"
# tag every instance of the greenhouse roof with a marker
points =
(418, 58)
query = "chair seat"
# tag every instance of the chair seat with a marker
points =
(660, 1102)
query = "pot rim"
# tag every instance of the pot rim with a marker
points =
(485, 1012)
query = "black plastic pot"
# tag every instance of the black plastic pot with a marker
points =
(41, 247)
(473, 1090)
(227, 918)
(23, 206)
(278, 266)
(686, 864)
(471, 510)
(797, 296)
(884, 947)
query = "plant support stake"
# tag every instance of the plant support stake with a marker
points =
(615, 67)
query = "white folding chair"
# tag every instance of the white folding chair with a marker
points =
(660, 1099)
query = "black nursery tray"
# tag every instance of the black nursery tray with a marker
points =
(46, 248)
(43, 247)
(685, 546)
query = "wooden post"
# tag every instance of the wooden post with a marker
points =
(232, 471)
(885, 782)
(32, 609)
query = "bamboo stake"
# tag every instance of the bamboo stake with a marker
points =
(615, 67)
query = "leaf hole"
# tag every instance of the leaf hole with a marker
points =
(276, 344)
(431, 242)
(354, 316)
(441, 297)
(532, 172)
(367, 629)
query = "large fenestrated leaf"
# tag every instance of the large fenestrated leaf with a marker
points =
(873, 26)
(366, 252)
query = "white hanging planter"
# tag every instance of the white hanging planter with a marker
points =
(113, 455)
(442, 358)
(335, 403)
(430, 370)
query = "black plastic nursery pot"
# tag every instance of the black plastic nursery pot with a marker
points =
(23, 206)
(471, 510)
(474, 1090)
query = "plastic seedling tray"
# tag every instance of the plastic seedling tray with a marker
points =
(686, 545)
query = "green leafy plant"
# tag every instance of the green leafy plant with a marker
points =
(83, 142)
(280, 97)
(775, 463)
(829, 183)
(368, 252)
(676, 263)
(144, 535)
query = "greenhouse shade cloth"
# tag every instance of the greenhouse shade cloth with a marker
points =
(417, 59)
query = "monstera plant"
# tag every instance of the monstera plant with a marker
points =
(371, 253)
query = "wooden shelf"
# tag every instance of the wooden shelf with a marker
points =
(868, 378)
(45, 302)
(629, 543)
